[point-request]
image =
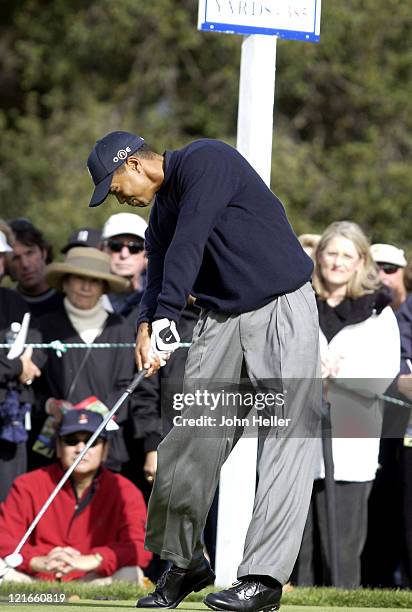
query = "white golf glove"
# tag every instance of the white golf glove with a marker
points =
(164, 339)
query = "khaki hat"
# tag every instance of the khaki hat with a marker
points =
(387, 253)
(85, 261)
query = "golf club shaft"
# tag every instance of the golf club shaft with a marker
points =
(135, 382)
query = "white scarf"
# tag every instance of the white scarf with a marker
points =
(88, 323)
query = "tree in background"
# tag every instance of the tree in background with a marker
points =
(71, 71)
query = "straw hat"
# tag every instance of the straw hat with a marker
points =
(85, 261)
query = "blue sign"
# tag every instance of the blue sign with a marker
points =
(291, 19)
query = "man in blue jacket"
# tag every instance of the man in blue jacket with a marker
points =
(217, 233)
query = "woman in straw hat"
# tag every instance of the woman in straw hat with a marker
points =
(84, 276)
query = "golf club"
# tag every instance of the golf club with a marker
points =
(15, 558)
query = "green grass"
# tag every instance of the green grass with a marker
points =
(123, 594)
(121, 606)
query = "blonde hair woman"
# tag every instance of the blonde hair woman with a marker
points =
(360, 353)
(344, 264)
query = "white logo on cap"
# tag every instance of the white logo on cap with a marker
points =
(121, 154)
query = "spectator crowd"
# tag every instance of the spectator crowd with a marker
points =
(52, 400)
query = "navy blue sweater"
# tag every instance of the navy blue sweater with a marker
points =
(218, 232)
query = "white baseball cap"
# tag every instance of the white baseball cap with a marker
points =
(387, 253)
(4, 245)
(124, 223)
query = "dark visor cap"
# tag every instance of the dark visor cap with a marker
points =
(107, 155)
(77, 419)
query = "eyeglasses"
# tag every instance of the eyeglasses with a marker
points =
(74, 441)
(134, 247)
(388, 268)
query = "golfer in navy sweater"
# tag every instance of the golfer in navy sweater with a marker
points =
(217, 232)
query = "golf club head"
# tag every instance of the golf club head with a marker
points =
(13, 560)
(10, 562)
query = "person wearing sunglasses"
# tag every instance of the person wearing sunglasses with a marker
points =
(123, 241)
(391, 263)
(94, 529)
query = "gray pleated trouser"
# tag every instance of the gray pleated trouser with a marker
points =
(276, 342)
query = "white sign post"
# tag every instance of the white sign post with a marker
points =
(262, 21)
(256, 101)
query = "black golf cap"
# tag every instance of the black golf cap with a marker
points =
(107, 155)
(85, 236)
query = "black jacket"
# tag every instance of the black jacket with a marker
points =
(218, 232)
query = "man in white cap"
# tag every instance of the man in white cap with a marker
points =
(391, 262)
(123, 240)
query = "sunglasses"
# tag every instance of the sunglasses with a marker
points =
(388, 268)
(134, 247)
(74, 441)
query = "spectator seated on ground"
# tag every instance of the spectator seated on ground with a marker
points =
(95, 527)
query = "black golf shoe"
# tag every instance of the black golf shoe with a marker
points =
(175, 584)
(250, 594)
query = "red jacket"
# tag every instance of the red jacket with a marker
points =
(110, 519)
